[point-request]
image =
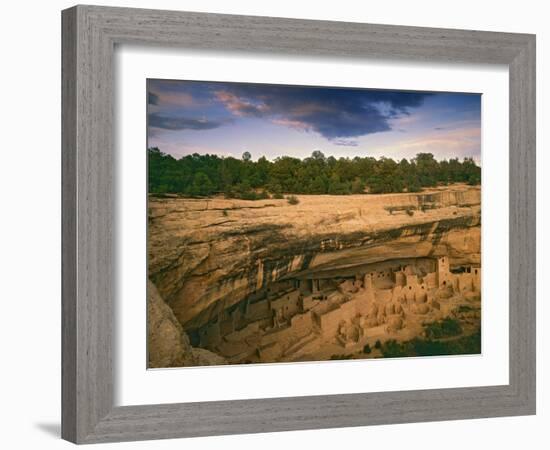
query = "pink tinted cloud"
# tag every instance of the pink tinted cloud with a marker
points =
(175, 98)
(296, 124)
(240, 106)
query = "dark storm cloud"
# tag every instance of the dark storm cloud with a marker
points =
(181, 123)
(152, 98)
(333, 113)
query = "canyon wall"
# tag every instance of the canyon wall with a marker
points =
(206, 255)
(167, 344)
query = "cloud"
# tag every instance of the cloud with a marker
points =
(296, 124)
(171, 93)
(181, 123)
(345, 142)
(240, 106)
(174, 98)
(336, 114)
(152, 98)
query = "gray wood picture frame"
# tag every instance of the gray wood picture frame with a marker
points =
(90, 34)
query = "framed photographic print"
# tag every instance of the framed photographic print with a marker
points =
(265, 229)
(290, 256)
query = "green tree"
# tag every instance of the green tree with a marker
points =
(203, 175)
(201, 186)
(338, 187)
(318, 185)
(426, 167)
(357, 186)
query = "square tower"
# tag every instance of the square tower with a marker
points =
(443, 274)
(367, 281)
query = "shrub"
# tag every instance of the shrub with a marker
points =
(414, 187)
(224, 213)
(464, 308)
(278, 195)
(340, 357)
(249, 195)
(464, 345)
(393, 349)
(443, 328)
(474, 179)
(367, 349)
(292, 200)
(378, 344)
(229, 192)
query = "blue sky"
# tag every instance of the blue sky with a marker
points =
(270, 120)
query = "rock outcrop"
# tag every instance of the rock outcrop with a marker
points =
(207, 255)
(167, 344)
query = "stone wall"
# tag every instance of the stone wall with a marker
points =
(403, 289)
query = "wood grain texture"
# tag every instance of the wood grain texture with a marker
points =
(68, 225)
(522, 224)
(89, 36)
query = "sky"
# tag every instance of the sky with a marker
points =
(270, 120)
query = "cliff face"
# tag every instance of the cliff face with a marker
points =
(168, 345)
(206, 255)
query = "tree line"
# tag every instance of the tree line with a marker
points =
(205, 175)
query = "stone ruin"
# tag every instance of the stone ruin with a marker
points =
(302, 318)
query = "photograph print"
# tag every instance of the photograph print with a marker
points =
(305, 223)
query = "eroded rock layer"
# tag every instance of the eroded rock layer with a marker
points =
(206, 256)
(167, 344)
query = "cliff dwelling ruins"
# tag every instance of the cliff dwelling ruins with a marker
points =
(311, 318)
(233, 282)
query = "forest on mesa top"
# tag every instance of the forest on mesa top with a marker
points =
(204, 175)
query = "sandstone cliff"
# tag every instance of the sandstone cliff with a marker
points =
(206, 255)
(167, 343)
